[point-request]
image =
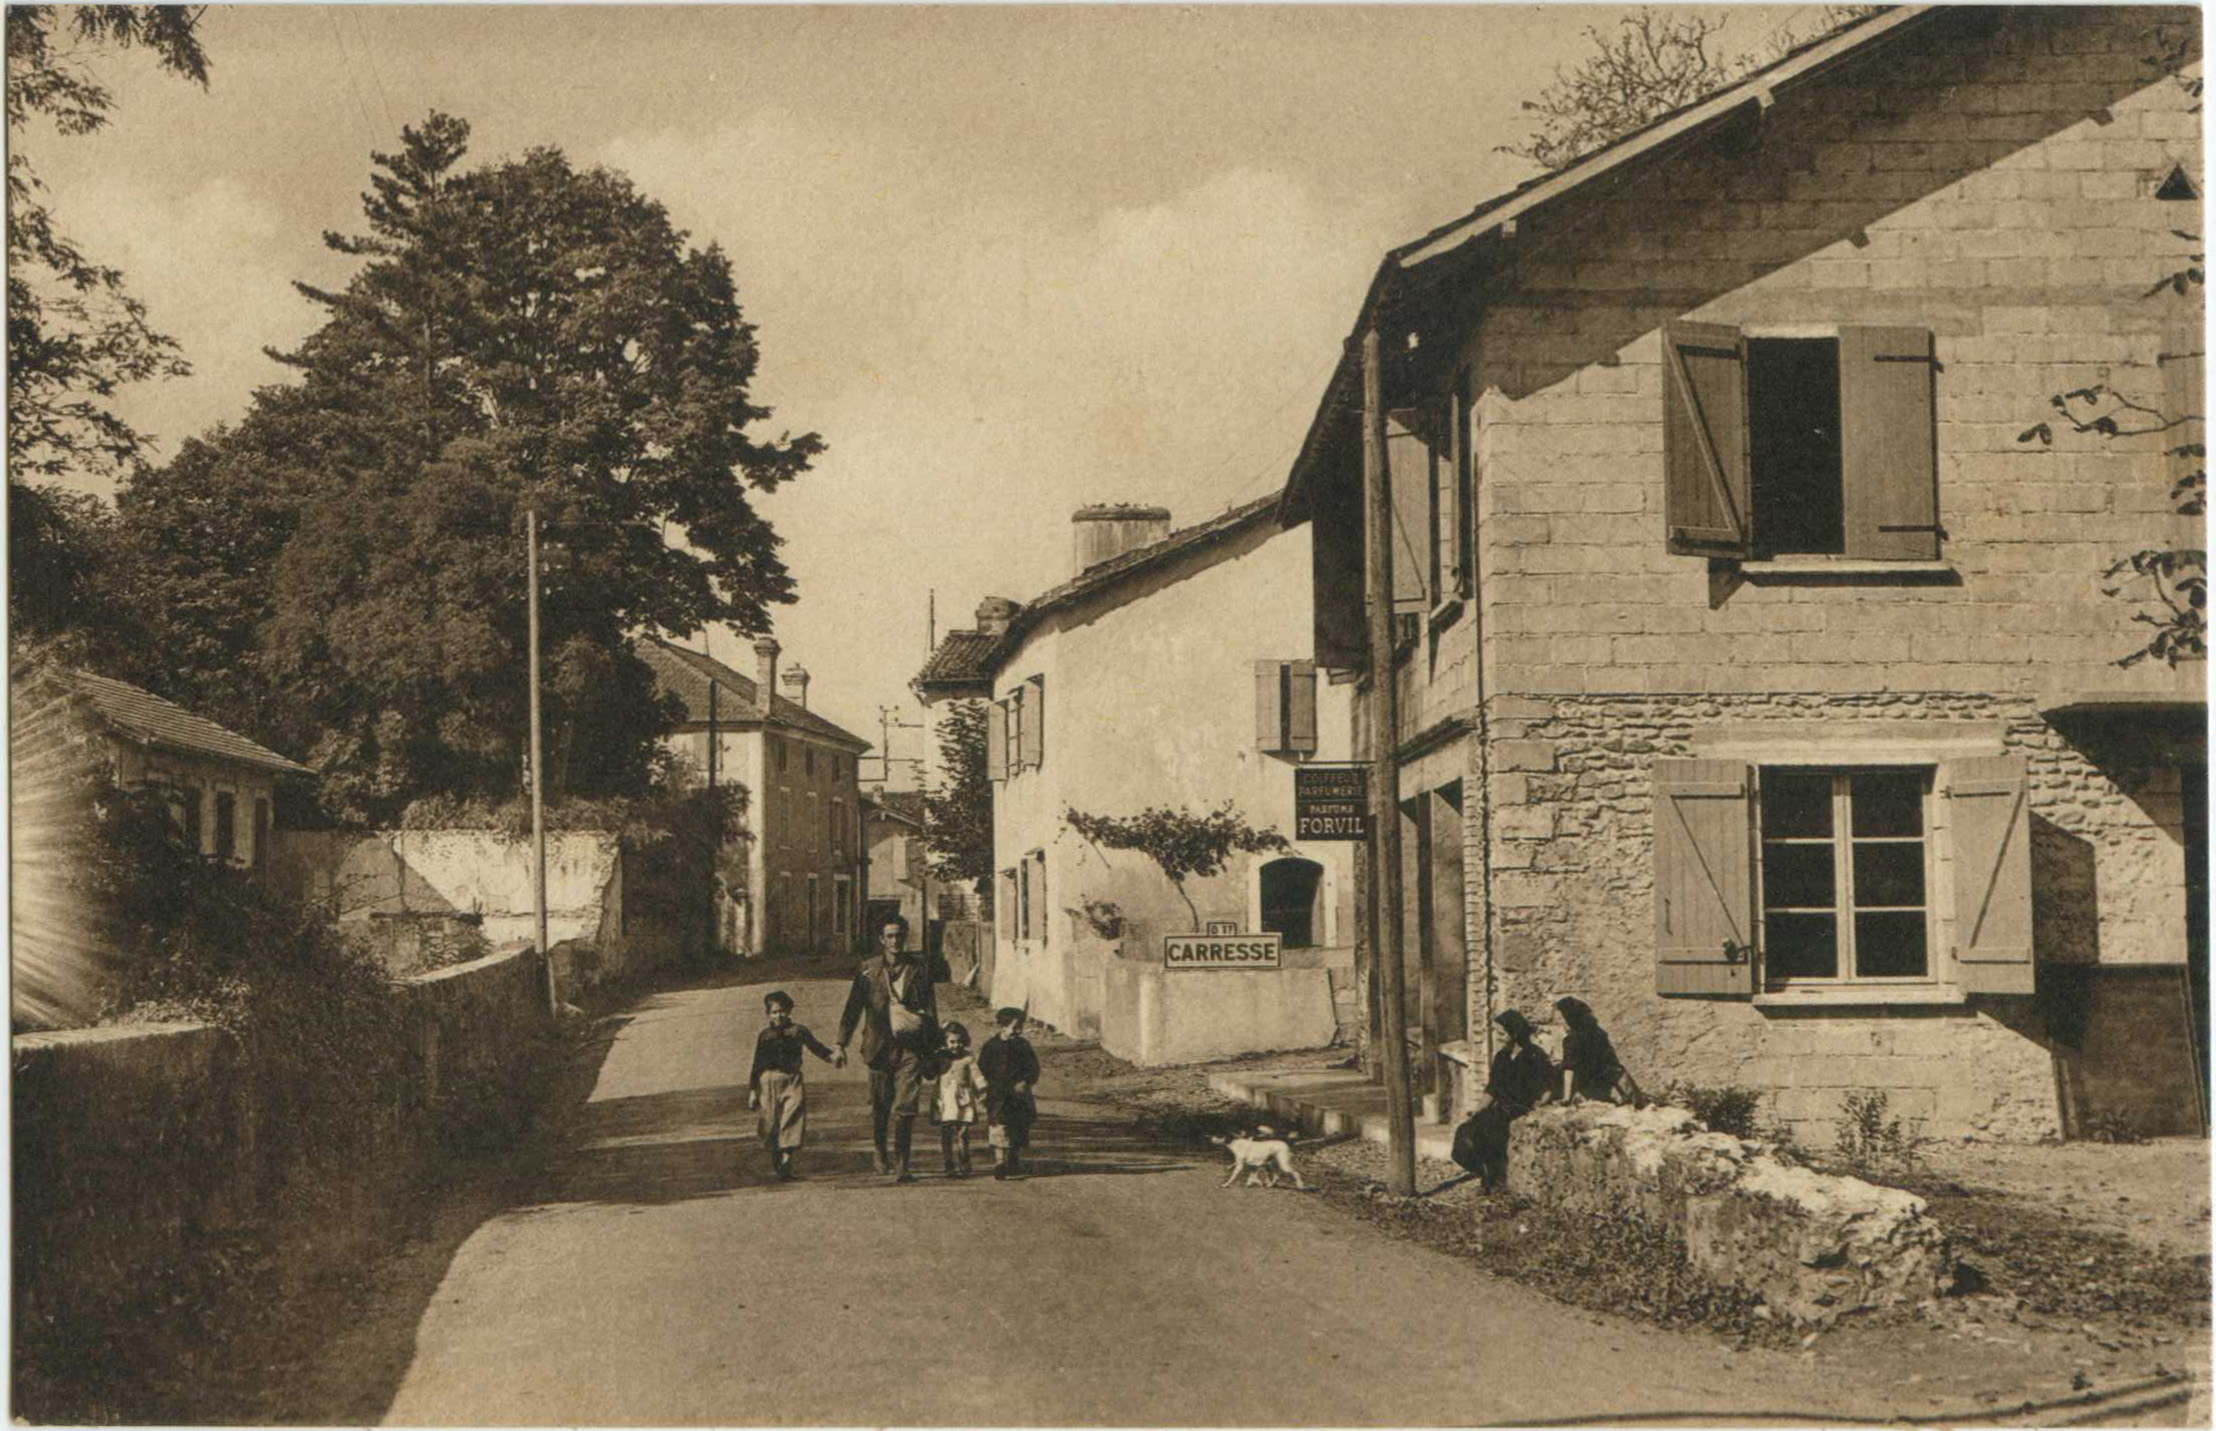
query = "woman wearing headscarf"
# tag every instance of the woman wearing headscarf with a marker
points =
(1520, 1079)
(1590, 1068)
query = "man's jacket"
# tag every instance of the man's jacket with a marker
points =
(869, 1003)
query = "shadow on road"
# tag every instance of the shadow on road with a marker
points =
(662, 1148)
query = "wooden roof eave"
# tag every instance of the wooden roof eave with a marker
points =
(1342, 394)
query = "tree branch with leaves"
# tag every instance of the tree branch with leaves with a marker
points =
(1181, 844)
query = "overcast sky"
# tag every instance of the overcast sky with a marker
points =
(1007, 261)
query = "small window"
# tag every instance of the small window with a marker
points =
(184, 811)
(1290, 888)
(226, 825)
(808, 760)
(1844, 875)
(777, 752)
(261, 834)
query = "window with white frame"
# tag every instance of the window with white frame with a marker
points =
(1845, 874)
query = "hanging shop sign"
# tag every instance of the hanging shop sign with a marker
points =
(1331, 802)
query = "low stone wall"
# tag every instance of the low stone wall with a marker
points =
(130, 1143)
(1155, 1016)
(1811, 1245)
(127, 1142)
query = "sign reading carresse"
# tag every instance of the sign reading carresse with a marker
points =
(1220, 951)
(1331, 802)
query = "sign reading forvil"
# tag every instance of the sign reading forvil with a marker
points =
(1331, 802)
(1220, 951)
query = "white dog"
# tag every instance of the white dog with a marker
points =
(1261, 1157)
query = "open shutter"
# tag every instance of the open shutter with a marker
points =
(996, 741)
(2184, 372)
(1408, 461)
(1034, 722)
(1704, 440)
(1703, 886)
(1989, 808)
(1888, 444)
(1465, 492)
(1300, 707)
(1269, 705)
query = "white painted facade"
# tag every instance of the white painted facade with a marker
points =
(1148, 687)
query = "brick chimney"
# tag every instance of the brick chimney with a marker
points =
(1107, 530)
(994, 613)
(796, 684)
(765, 671)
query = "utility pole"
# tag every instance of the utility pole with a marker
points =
(714, 850)
(1385, 913)
(538, 795)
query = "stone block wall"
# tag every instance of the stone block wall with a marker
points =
(1991, 179)
(1572, 853)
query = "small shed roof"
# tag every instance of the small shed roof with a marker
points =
(144, 718)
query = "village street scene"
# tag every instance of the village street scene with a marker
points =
(1342, 715)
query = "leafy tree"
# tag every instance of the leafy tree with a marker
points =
(958, 824)
(1182, 845)
(75, 333)
(526, 335)
(1654, 61)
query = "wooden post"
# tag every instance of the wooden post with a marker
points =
(538, 799)
(1385, 912)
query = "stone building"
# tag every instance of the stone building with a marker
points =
(1758, 669)
(792, 882)
(1171, 669)
(892, 832)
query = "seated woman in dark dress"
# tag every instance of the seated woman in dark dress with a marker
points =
(1590, 1068)
(1521, 1078)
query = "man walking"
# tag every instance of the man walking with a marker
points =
(896, 1003)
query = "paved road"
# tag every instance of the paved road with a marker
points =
(661, 1277)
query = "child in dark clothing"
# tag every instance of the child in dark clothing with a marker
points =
(775, 1087)
(1011, 1067)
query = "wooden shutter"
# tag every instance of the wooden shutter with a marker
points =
(1704, 440)
(1269, 705)
(2184, 372)
(1034, 723)
(1408, 463)
(1703, 886)
(1888, 444)
(1989, 809)
(1465, 493)
(996, 741)
(1300, 707)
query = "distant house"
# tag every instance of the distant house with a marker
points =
(1756, 679)
(1172, 668)
(795, 885)
(892, 827)
(221, 786)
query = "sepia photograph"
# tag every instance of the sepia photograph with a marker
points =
(1294, 715)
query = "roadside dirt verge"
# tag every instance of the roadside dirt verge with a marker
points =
(2069, 1301)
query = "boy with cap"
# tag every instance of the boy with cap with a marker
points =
(1011, 1067)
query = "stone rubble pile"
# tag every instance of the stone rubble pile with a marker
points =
(1811, 1245)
